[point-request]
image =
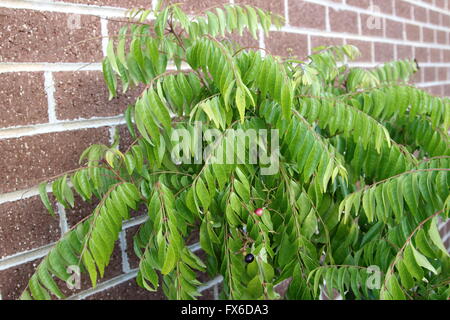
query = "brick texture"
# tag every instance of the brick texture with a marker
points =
(51, 104)
(27, 161)
(26, 224)
(30, 36)
(23, 99)
(83, 95)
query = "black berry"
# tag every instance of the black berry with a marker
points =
(249, 258)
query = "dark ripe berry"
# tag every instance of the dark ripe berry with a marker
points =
(259, 212)
(249, 258)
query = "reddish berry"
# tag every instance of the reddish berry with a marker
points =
(259, 212)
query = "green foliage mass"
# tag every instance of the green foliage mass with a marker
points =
(363, 175)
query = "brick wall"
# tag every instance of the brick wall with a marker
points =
(54, 103)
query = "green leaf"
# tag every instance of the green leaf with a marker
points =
(436, 237)
(202, 193)
(44, 198)
(241, 103)
(169, 261)
(110, 78)
(422, 260)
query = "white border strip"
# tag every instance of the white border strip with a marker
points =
(24, 257)
(49, 87)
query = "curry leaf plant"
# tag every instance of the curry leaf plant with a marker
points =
(361, 182)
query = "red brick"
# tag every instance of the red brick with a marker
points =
(394, 29)
(34, 36)
(306, 15)
(80, 211)
(23, 99)
(446, 20)
(244, 41)
(441, 37)
(441, 4)
(434, 17)
(422, 54)
(420, 14)
(404, 52)
(384, 52)
(446, 56)
(436, 90)
(13, 281)
(403, 9)
(385, 6)
(428, 35)
(287, 44)
(443, 74)
(317, 41)
(28, 160)
(365, 4)
(25, 225)
(343, 21)
(412, 32)
(430, 74)
(418, 76)
(199, 6)
(128, 291)
(446, 93)
(84, 94)
(435, 55)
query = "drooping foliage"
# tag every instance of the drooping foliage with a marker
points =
(362, 180)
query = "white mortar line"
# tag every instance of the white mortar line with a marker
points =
(63, 7)
(112, 133)
(105, 285)
(62, 67)
(134, 222)
(442, 224)
(216, 292)
(48, 67)
(374, 64)
(123, 249)
(262, 42)
(63, 225)
(104, 33)
(286, 12)
(22, 131)
(24, 257)
(447, 236)
(21, 194)
(50, 91)
(433, 84)
(210, 283)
